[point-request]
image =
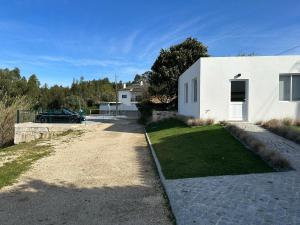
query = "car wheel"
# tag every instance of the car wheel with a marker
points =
(43, 120)
(73, 120)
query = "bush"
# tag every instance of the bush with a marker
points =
(273, 158)
(287, 121)
(297, 123)
(145, 110)
(195, 122)
(283, 128)
(8, 110)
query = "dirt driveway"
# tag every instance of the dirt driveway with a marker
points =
(104, 177)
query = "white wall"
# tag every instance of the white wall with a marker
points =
(190, 108)
(263, 75)
(126, 101)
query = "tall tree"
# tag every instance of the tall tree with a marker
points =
(33, 89)
(170, 64)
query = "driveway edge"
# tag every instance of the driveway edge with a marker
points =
(160, 173)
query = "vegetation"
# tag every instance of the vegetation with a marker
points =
(273, 158)
(170, 64)
(8, 109)
(185, 151)
(16, 159)
(286, 128)
(190, 121)
(80, 94)
(19, 158)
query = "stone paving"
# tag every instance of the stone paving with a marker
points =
(260, 199)
(288, 148)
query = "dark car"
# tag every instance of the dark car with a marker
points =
(59, 116)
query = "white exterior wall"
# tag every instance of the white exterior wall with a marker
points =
(190, 108)
(126, 104)
(263, 75)
(126, 101)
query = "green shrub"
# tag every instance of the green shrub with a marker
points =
(145, 110)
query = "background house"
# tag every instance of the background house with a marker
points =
(249, 88)
(131, 95)
(128, 97)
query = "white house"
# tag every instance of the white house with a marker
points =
(128, 97)
(250, 88)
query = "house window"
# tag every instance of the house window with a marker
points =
(138, 98)
(186, 93)
(195, 89)
(238, 91)
(124, 96)
(289, 87)
(296, 88)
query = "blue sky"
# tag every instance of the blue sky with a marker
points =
(64, 39)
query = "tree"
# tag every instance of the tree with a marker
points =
(170, 64)
(74, 102)
(33, 89)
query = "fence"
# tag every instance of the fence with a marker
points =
(113, 112)
(24, 116)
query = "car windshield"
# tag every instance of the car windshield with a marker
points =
(67, 112)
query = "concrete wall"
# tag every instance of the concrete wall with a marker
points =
(262, 73)
(190, 108)
(161, 115)
(26, 132)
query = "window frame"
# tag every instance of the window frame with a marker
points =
(124, 95)
(194, 90)
(291, 86)
(186, 92)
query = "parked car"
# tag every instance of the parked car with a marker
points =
(59, 116)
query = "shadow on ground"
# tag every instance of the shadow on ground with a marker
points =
(38, 202)
(127, 191)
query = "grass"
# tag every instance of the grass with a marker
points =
(296, 127)
(24, 155)
(186, 152)
(19, 158)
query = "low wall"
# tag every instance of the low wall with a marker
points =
(26, 132)
(161, 115)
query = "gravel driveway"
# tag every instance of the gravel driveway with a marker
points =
(104, 177)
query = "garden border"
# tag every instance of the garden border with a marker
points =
(160, 173)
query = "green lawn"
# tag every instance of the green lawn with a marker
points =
(186, 152)
(20, 158)
(297, 127)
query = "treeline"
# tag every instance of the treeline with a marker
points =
(80, 94)
(162, 79)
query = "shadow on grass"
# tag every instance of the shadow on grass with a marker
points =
(186, 152)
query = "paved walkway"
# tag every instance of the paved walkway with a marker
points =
(104, 177)
(258, 199)
(288, 148)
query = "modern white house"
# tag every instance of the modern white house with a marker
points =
(247, 88)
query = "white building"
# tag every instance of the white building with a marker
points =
(128, 97)
(250, 88)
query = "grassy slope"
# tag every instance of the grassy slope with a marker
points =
(201, 151)
(27, 153)
(297, 127)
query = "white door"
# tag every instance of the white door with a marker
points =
(239, 100)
